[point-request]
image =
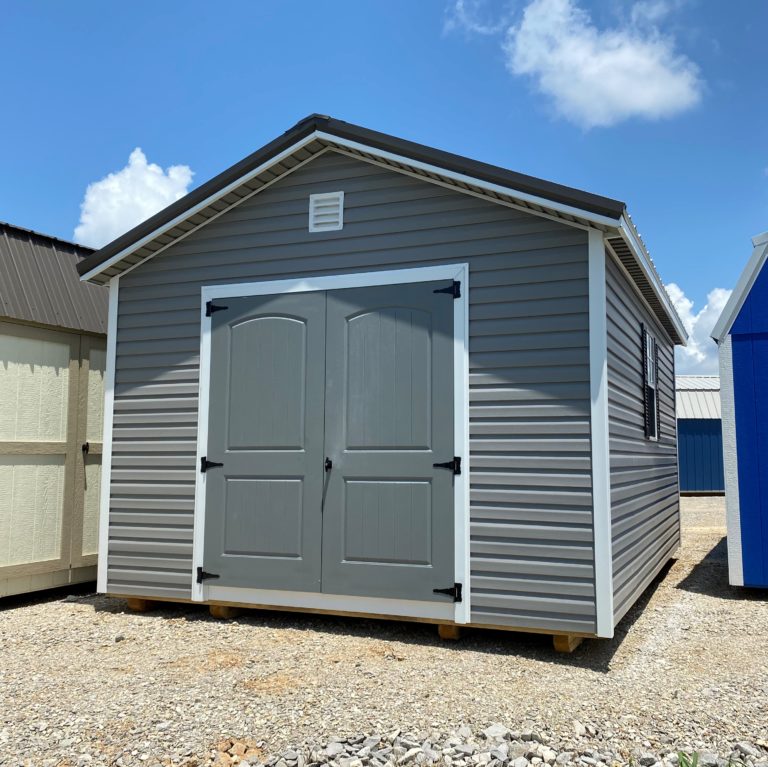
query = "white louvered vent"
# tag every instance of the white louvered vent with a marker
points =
(326, 212)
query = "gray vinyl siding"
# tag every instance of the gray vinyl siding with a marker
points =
(530, 474)
(645, 513)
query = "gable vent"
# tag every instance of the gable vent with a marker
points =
(326, 212)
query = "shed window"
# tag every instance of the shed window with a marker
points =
(650, 385)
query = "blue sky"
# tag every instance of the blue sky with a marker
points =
(661, 103)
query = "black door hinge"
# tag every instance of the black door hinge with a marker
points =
(205, 464)
(452, 591)
(210, 308)
(204, 576)
(452, 290)
(454, 465)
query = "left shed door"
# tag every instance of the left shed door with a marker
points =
(265, 425)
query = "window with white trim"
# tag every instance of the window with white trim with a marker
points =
(650, 385)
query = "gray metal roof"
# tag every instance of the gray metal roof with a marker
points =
(698, 397)
(39, 282)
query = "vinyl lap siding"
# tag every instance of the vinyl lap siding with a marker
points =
(644, 480)
(530, 468)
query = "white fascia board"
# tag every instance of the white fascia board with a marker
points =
(543, 202)
(644, 259)
(743, 286)
(200, 206)
(106, 450)
(463, 178)
(601, 471)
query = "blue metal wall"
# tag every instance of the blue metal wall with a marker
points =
(749, 336)
(700, 455)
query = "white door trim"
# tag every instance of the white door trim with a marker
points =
(460, 611)
(601, 475)
(106, 450)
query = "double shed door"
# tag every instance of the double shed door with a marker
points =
(328, 411)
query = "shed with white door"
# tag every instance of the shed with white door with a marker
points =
(52, 365)
(355, 374)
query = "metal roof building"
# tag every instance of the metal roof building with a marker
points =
(52, 362)
(699, 434)
(38, 282)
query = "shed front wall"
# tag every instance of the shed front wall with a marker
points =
(530, 473)
(645, 507)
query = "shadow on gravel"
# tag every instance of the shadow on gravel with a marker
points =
(710, 577)
(592, 654)
(47, 595)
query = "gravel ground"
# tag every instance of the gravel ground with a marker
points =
(84, 682)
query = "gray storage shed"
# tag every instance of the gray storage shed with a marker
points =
(52, 365)
(354, 374)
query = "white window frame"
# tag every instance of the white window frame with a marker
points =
(458, 612)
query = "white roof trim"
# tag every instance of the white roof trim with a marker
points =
(200, 206)
(644, 259)
(621, 224)
(743, 287)
(463, 178)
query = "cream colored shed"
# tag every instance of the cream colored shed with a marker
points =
(52, 362)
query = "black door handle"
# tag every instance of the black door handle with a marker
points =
(328, 464)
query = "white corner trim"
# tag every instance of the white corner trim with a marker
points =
(730, 464)
(106, 452)
(743, 287)
(460, 612)
(601, 477)
(644, 260)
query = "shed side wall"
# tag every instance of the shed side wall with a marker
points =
(531, 520)
(645, 509)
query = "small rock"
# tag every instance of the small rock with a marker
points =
(647, 760)
(579, 729)
(409, 755)
(747, 749)
(119, 638)
(496, 732)
(564, 757)
(706, 759)
(521, 761)
(334, 749)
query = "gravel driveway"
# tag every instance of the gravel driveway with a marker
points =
(85, 682)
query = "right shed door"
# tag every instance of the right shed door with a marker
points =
(388, 524)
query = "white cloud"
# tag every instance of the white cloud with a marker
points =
(465, 14)
(700, 355)
(127, 197)
(599, 77)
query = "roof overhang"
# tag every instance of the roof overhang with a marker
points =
(743, 287)
(318, 134)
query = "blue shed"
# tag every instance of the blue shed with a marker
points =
(742, 337)
(699, 434)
